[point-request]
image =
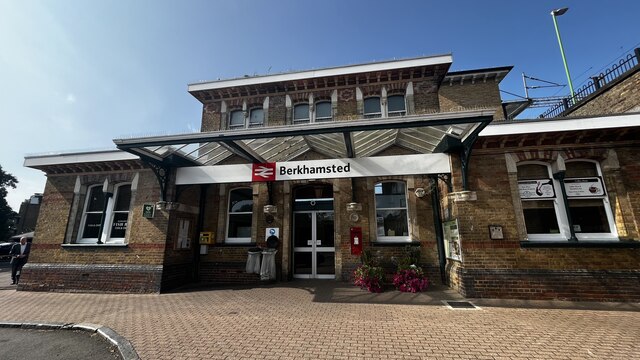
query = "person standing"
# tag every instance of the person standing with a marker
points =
(19, 256)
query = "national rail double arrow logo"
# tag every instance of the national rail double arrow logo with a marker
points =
(264, 172)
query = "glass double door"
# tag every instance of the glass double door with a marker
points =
(313, 245)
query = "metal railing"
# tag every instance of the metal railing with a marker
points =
(625, 64)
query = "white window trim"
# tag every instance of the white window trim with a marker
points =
(80, 239)
(237, 240)
(561, 211)
(392, 239)
(558, 206)
(613, 234)
(110, 213)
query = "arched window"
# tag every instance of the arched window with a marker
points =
(540, 201)
(372, 108)
(396, 105)
(236, 119)
(256, 117)
(323, 111)
(120, 214)
(92, 215)
(591, 215)
(392, 220)
(240, 216)
(301, 114)
(115, 213)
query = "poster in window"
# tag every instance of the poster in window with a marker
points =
(451, 232)
(536, 189)
(92, 226)
(119, 225)
(583, 187)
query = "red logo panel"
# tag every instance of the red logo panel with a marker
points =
(264, 172)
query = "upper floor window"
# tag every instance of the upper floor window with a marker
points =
(238, 119)
(240, 215)
(301, 114)
(256, 117)
(392, 220)
(372, 107)
(396, 105)
(323, 111)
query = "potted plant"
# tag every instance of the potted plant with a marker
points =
(409, 277)
(369, 275)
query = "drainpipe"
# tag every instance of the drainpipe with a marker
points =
(437, 222)
(200, 223)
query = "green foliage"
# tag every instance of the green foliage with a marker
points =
(409, 259)
(6, 213)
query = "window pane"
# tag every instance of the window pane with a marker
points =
(301, 112)
(372, 105)
(241, 200)
(257, 117)
(324, 229)
(390, 195)
(326, 263)
(239, 225)
(92, 226)
(540, 217)
(236, 119)
(96, 199)
(119, 225)
(323, 110)
(589, 216)
(581, 169)
(123, 198)
(396, 103)
(532, 171)
(392, 222)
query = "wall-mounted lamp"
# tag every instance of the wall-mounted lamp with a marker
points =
(354, 206)
(420, 192)
(270, 209)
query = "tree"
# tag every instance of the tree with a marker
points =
(7, 215)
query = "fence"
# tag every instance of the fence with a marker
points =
(626, 64)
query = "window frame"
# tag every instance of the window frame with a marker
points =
(396, 113)
(325, 118)
(394, 238)
(238, 240)
(372, 115)
(248, 122)
(613, 232)
(110, 213)
(301, 120)
(80, 239)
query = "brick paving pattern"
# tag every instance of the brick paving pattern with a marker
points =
(332, 322)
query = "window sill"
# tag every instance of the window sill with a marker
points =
(395, 243)
(94, 245)
(252, 244)
(607, 244)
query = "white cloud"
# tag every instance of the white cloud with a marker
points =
(71, 99)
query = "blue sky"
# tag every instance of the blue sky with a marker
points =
(76, 74)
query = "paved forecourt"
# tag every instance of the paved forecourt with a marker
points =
(332, 320)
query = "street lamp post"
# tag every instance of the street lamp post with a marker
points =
(554, 14)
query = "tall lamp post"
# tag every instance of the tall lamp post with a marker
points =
(554, 14)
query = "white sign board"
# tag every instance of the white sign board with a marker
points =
(316, 169)
(582, 187)
(272, 232)
(451, 232)
(536, 189)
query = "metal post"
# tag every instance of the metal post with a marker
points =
(555, 13)
(526, 89)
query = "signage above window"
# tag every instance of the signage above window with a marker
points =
(536, 189)
(584, 187)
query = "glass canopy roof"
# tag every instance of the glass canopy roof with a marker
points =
(423, 134)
